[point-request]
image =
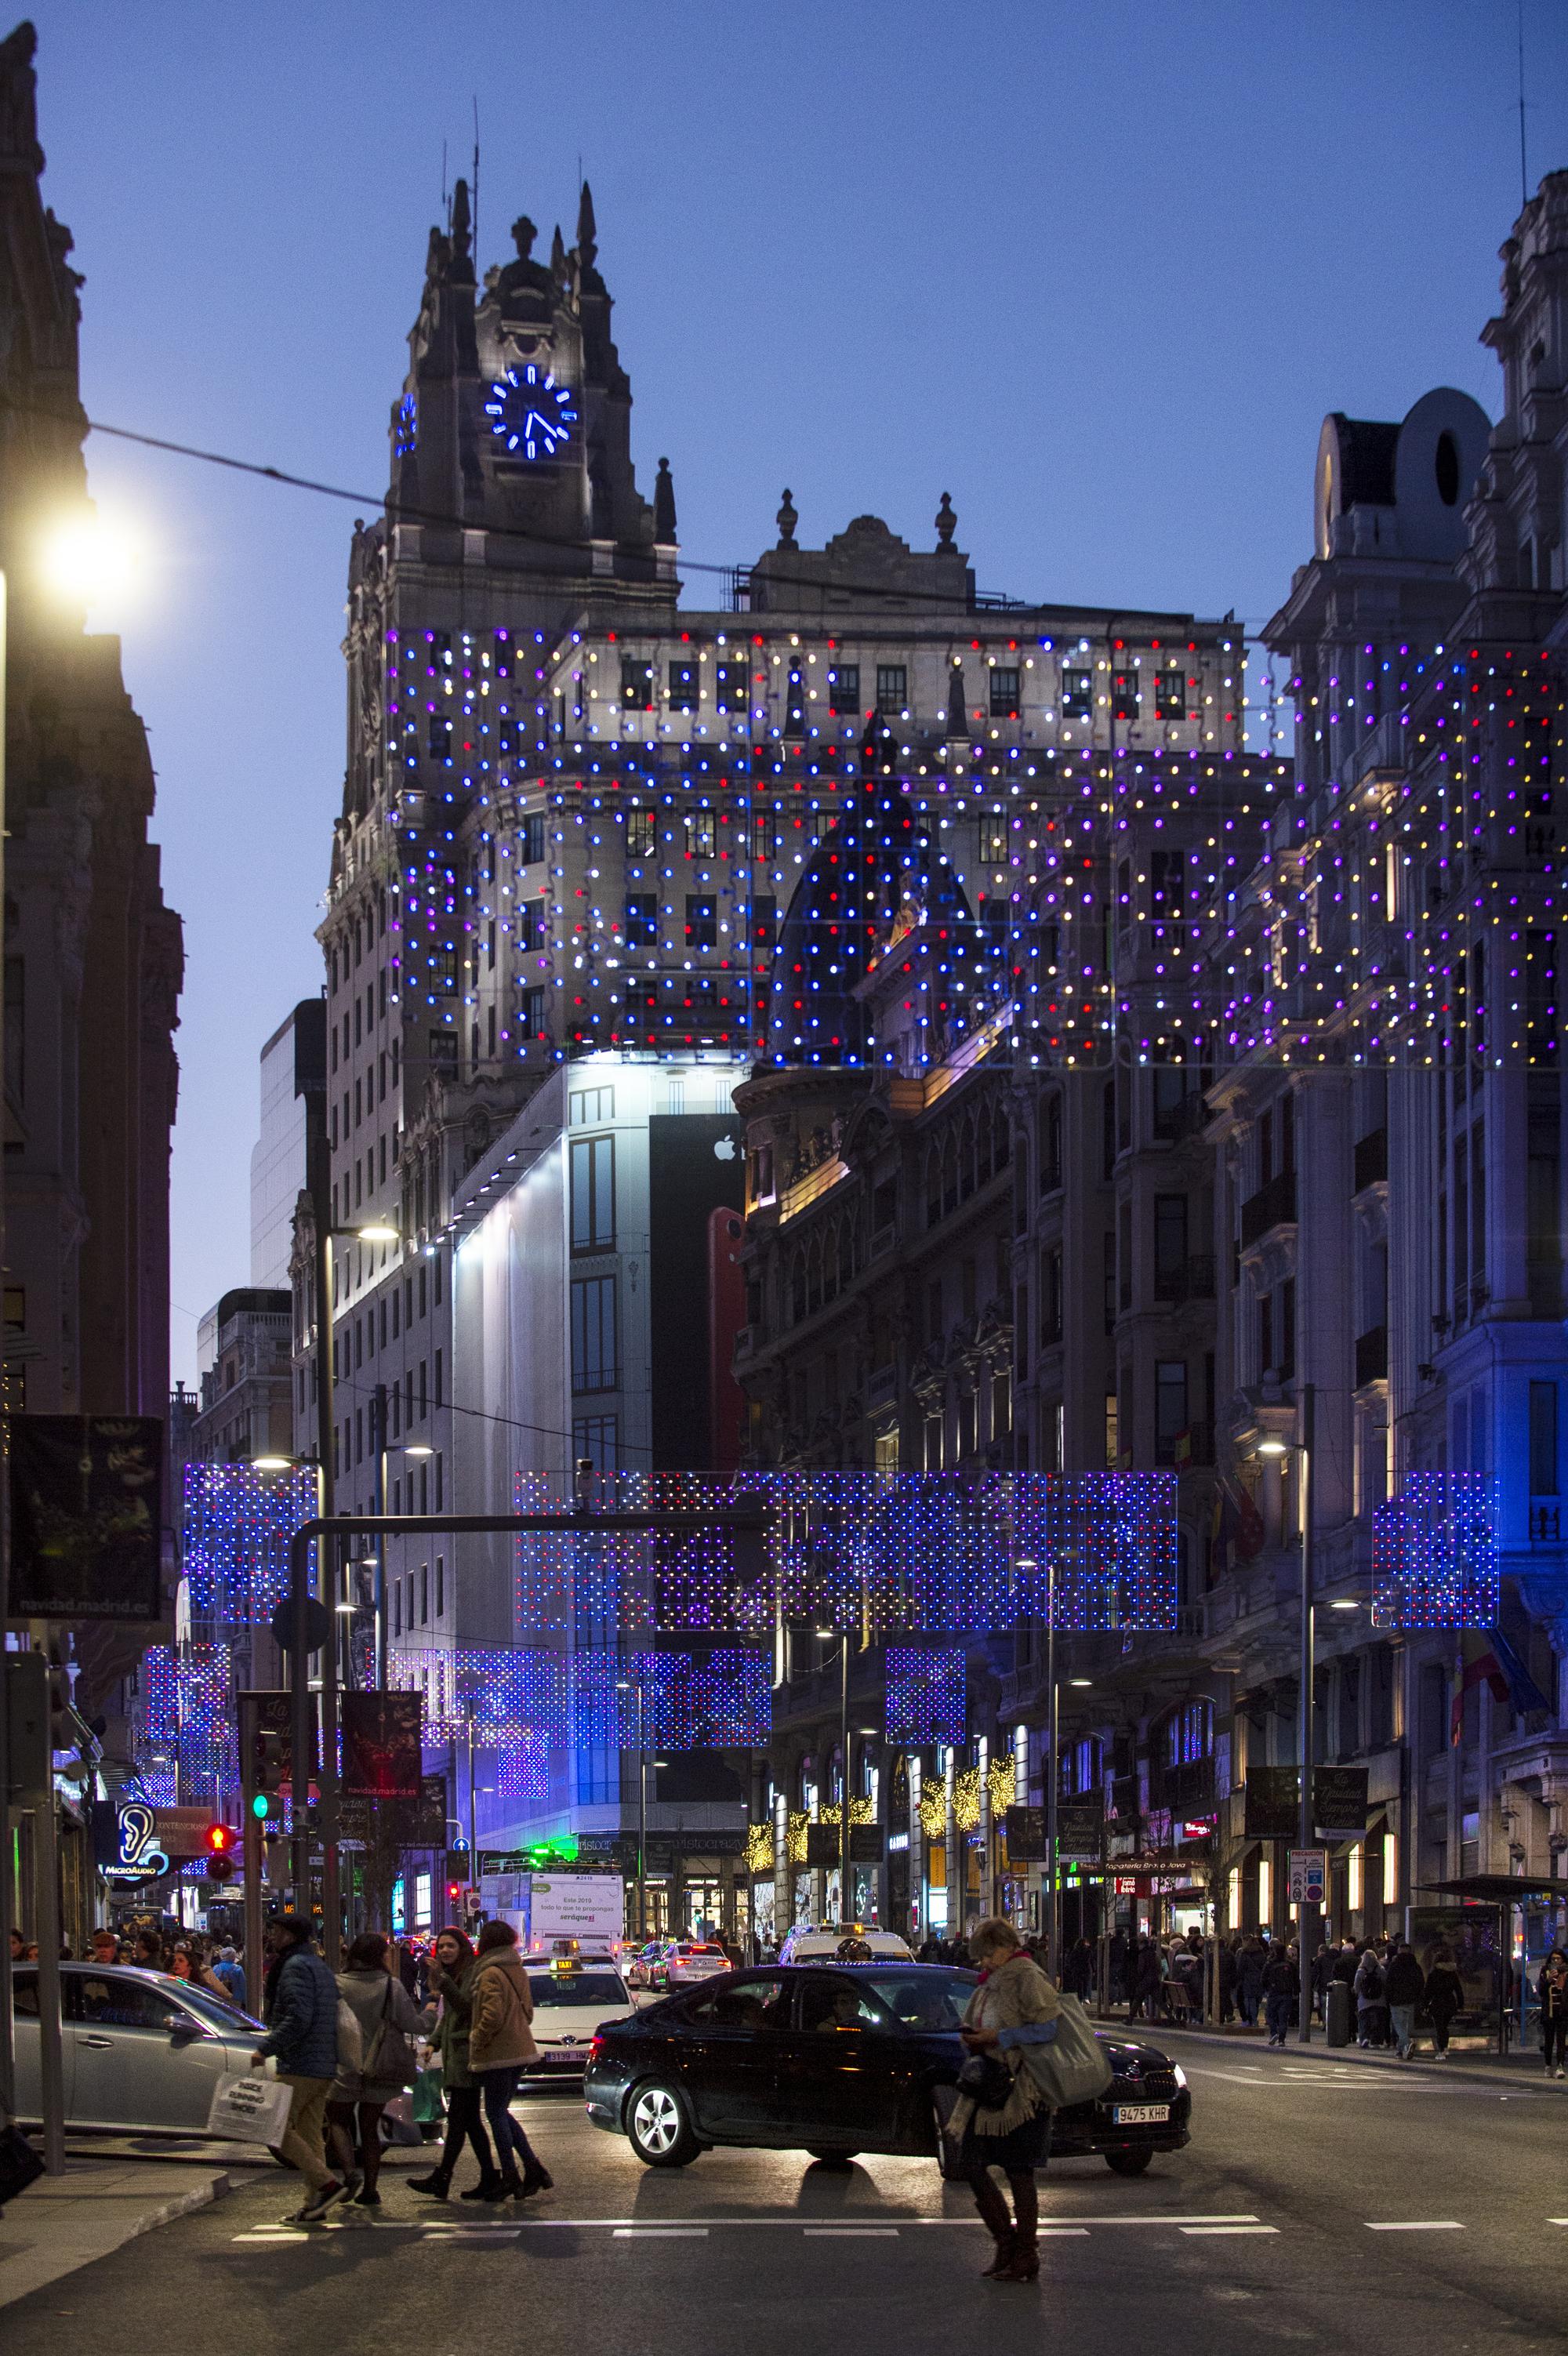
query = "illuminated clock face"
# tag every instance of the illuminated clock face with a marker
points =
(529, 414)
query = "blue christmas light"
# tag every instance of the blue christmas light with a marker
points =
(1434, 1553)
(926, 1696)
(236, 1524)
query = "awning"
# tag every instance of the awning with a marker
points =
(1500, 1888)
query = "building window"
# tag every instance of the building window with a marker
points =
(1004, 692)
(1078, 694)
(732, 688)
(843, 691)
(686, 686)
(1112, 1422)
(1051, 1297)
(892, 688)
(702, 830)
(594, 1437)
(635, 685)
(641, 840)
(795, 702)
(440, 1586)
(530, 839)
(1170, 1247)
(530, 1014)
(1124, 695)
(763, 924)
(641, 930)
(764, 835)
(593, 1194)
(1543, 1440)
(1167, 884)
(702, 924)
(443, 1050)
(1170, 1408)
(1170, 695)
(593, 1364)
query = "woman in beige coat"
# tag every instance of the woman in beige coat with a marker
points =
(1015, 2006)
(499, 2041)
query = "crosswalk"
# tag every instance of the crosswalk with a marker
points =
(1349, 2077)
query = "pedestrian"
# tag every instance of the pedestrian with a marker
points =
(147, 1954)
(300, 2005)
(105, 1947)
(18, 1945)
(1079, 1972)
(1228, 1979)
(1015, 2006)
(1279, 1987)
(451, 1972)
(387, 2020)
(1404, 1984)
(1371, 2009)
(500, 2043)
(1146, 1980)
(1444, 1998)
(1552, 1990)
(229, 1969)
(1251, 1959)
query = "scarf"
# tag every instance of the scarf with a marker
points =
(1017, 1995)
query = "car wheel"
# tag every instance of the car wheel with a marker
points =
(1128, 2163)
(657, 2127)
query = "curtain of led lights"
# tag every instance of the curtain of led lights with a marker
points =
(187, 1743)
(1434, 1553)
(673, 1701)
(236, 1526)
(514, 1701)
(926, 1694)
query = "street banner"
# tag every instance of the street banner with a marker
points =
(1025, 1836)
(181, 1833)
(1339, 1803)
(1273, 1802)
(86, 1516)
(868, 1845)
(381, 1744)
(1308, 1877)
(822, 1844)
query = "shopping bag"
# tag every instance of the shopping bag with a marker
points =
(249, 2109)
(1074, 2067)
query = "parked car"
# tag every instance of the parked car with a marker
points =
(570, 2000)
(843, 1943)
(641, 1961)
(836, 2061)
(140, 2051)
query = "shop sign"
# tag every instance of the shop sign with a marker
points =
(1200, 1828)
(1080, 1830)
(132, 1851)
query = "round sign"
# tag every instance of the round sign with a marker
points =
(318, 1625)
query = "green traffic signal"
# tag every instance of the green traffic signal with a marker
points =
(260, 1806)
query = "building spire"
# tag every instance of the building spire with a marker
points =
(587, 230)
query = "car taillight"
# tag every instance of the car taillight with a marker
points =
(595, 2046)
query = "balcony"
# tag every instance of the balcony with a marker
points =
(1371, 1158)
(1274, 1206)
(1372, 1356)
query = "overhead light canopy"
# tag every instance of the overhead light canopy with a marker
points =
(270, 1464)
(1274, 1448)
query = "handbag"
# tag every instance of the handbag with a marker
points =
(1074, 2067)
(20, 2163)
(986, 2080)
(390, 2061)
(249, 2109)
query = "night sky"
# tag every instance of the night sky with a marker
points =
(1097, 271)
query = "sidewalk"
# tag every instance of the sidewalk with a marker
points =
(1514, 2070)
(65, 2221)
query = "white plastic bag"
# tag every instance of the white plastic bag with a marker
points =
(251, 2109)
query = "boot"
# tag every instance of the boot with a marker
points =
(1024, 2265)
(438, 2183)
(511, 2184)
(998, 2218)
(490, 2187)
(1002, 2255)
(536, 2178)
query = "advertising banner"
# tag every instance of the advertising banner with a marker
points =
(1339, 1803)
(383, 1754)
(1273, 1802)
(86, 1516)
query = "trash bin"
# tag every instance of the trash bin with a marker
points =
(1341, 1996)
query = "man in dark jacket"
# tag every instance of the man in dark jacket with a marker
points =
(301, 2005)
(1281, 1986)
(1404, 1984)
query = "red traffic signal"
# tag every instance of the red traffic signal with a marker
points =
(221, 1839)
(220, 1868)
(454, 1893)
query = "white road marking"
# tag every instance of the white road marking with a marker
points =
(851, 2232)
(1229, 2229)
(659, 2234)
(1417, 2225)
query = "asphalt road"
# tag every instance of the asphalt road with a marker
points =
(1320, 2204)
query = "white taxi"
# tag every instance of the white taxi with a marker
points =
(571, 1995)
(851, 1943)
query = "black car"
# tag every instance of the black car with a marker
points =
(836, 2061)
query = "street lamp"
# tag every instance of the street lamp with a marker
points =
(827, 1634)
(626, 1685)
(1307, 1912)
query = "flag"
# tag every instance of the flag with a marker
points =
(1249, 1534)
(1523, 1691)
(1221, 1533)
(1476, 1665)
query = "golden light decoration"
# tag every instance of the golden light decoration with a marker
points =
(798, 1820)
(759, 1848)
(966, 1799)
(1003, 1784)
(934, 1812)
(859, 1812)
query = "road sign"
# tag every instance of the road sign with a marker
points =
(1308, 1876)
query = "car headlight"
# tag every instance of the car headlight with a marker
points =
(1179, 2074)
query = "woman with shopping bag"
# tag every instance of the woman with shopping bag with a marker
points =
(389, 2021)
(1002, 2118)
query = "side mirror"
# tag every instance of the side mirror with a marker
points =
(182, 2029)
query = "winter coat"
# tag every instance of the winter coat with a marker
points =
(455, 1990)
(500, 2038)
(1404, 1982)
(1370, 1989)
(302, 2027)
(1444, 1992)
(1553, 1997)
(1249, 1963)
(1345, 1966)
(1281, 1975)
(373, 1996)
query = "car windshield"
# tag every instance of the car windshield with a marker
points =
(576, 1987)
(927, 1999)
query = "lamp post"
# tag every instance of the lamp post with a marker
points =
(626, 1685)
(845, 1916)
(1307, 1919)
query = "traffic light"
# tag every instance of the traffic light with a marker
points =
(454, 1894)
(219, 1841)
(269, 1769)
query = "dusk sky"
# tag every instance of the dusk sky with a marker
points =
(1097, 271)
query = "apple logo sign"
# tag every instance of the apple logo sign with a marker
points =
(726, 1149)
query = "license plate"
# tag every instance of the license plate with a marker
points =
(1140, 2114)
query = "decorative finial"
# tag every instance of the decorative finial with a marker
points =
(947, 524)
(587, 230)
(558, 255)
(523, 233)
(462, 222)
(786, 520)
(664, 505)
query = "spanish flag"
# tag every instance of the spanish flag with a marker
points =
(1476, 1665)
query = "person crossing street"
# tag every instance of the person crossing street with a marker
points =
(300, 2007)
